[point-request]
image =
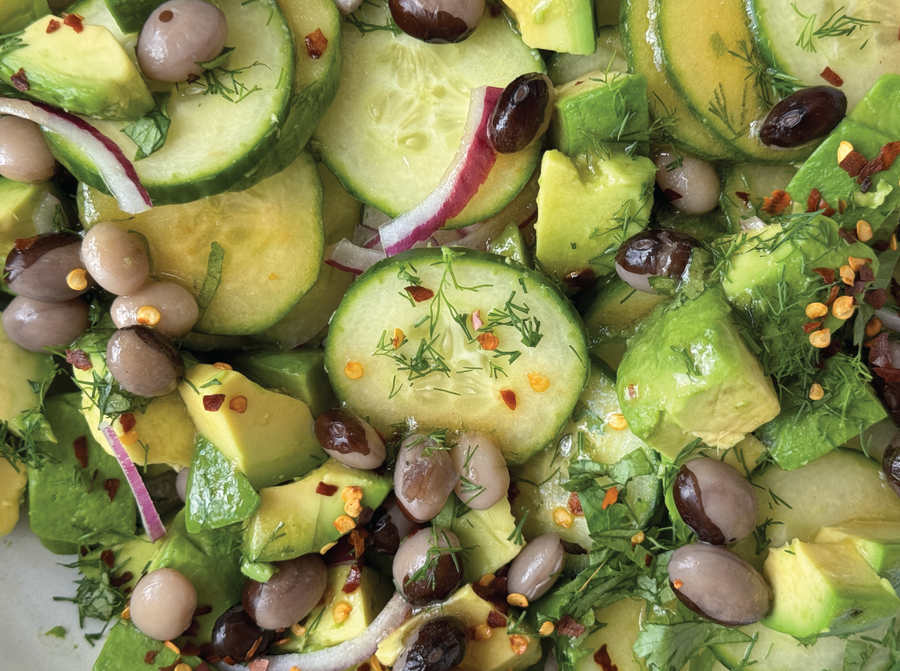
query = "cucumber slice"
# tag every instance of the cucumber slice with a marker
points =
(398, 118)
(708, 55)
(213, 142)
(441, 377)
(757, 182)
(609, 57)
(793, 36)
(266, 268)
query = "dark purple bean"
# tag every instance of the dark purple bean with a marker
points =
(40, 268)
(349, 439)
(144, 362)
(423, 478)
(35, 325)
(806, 115)
(436, 573)
(389, 526)
(437, 645)
(437, 21)
(653, 254)
(235, 634)
(536, 568)
(522, 113)
(715, 501)
(289, 595)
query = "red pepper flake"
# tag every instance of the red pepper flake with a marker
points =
(632, 391)
(316, 43)
(876, 298)
(192, 78)
(202, 610)
(842, 206)
(672, 195)
(74, 22)
(509, 397)
(888, 374)
(567, 626)
(79, 359)
(575, 505)
(365, 666)
(813, 200)
(496, 619)
(325, 489)
(122, 579)
(496, 11)
(810, 327)
(111, 486)
(259, 664)
(832, 77)
(853, 163)
(869, 169)
(611, 496)
(212, 402)
(127, 421)
(889, 153)
(419, 294)
(20, 81)
(26, 243)
(866, 274)
(193, 629)
(150, 657)
(171, 666)
(744, 197)
(354, 578)
(108, 557)
(53, 26)
(202, 667)
(847, 236)
(777, 203)
(488, 341)
(879, 351)
(190, 649)
(648, 559)
(602, 659)
(81, 453)
(358, 540)
(826, 273)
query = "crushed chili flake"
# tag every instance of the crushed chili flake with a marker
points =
(316, 43)
(74, 22)
(202, 667)
(53, 26)
(866, 274)
(325, 489)
(813, 200)
(853, 163)
(192, 78)
(122, 579)
(111, 486)
(171, 666)
(826, 273)
(488, 341)
(776, 203)
(254, 648)
(869, 169)
(743, 196)
(880, 351)
(831, 77)
(108, 557)
(611, 496)
(212, 402)
(842, 206)
(81, 453)
(202, 610)
(127, 421)
(889, 153)
(575, 505)
(78, 359)
(150, 657)
(497, 11)
(190, 649)
(193, 629)
(888, 374)
(509, 397)
(876, 298)
(419, 294)
(20, 81)
(496, 619)
(602, 659)
(672, 195)
(810, 327)
(572, 548)
(354, 578)
(358, 540)
(846, 236)
(567, 626)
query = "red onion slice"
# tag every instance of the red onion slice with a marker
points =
(344, 655)
(469, 170)
(352, 258)
(117, 172)
(152, 523)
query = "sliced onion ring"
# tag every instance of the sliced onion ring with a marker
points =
(117, 172)
(469, 170)
(352, 258)
(344, 655)
(152, 523)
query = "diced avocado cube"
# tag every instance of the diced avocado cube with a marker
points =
(880, 108)
(878, 541)
(126, 648)
(12, 492)
(587, 207)
(511, 245)
(19, 202)
(493, 654)
(267, 436)
(69, 502)
(303, 516)
(217, 494)
(850, 406)
(566, 26)
(296, 372)
(83, 71)
(825, 588)
(688, 374)
(600, 111)
(17, 14)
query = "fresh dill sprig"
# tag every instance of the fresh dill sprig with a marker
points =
(718, 107)
(834, 26)
(429, 567)
(224, 82)
(529, 327)
(766, 79)
(95, 598)
(361, 22)
(516, 535)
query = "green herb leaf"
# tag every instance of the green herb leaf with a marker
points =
(218, 60)
(668, 647)
(149, 132)
(213, 276)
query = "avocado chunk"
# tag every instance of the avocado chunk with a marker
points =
(267, 436)
(17, 14)
(878, 541)
(566, 26)
(126, 648)
(26, 376)
(19, 202)
(70, 499)
(600, 111)
(296, 372)
(492, 654)
(12, 492)
(511, 245)
(83, 71)
(826, 588)
(303, 516)
(588, 206)
(217, 494)
(688, 374)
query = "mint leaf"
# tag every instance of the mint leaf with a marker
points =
(213, 275)
(149, 132)
(670, 646)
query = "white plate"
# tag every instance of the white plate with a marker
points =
(30, 576)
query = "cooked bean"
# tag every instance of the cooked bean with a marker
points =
(437, 645)
(692, 188)
(653, 254)
(35, 325)
(437, 573)
(389, 526)
(349, 439)
(715, 501)
(177, 36)
(24, 154)
(719, 585)
(536, 568)
(167, 307)
(423, 478)
(484, 478)
(163, 604)
(437, 21)
(47, 267)
(115, 259)
(522, 114)
(289, 595)
(234, 635)
(806, 115)
(144, 362)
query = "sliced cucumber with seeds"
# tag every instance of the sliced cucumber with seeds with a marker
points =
(398, 118)
(518, 383)
(222, 126)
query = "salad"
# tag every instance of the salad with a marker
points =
(436, 335)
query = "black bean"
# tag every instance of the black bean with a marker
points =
(438, 645)
(522, 113)
(803, 116)
(437, 21)
(715, 501)
(235, 634)
(349, 439)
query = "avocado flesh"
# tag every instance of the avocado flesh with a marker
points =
(825, 588)
(17, 397)
(19, 202)
(878, 541)
(86, 72)
(125, 649)
(719, 398)
(12, 493)
(565, 26)
(15, 15)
